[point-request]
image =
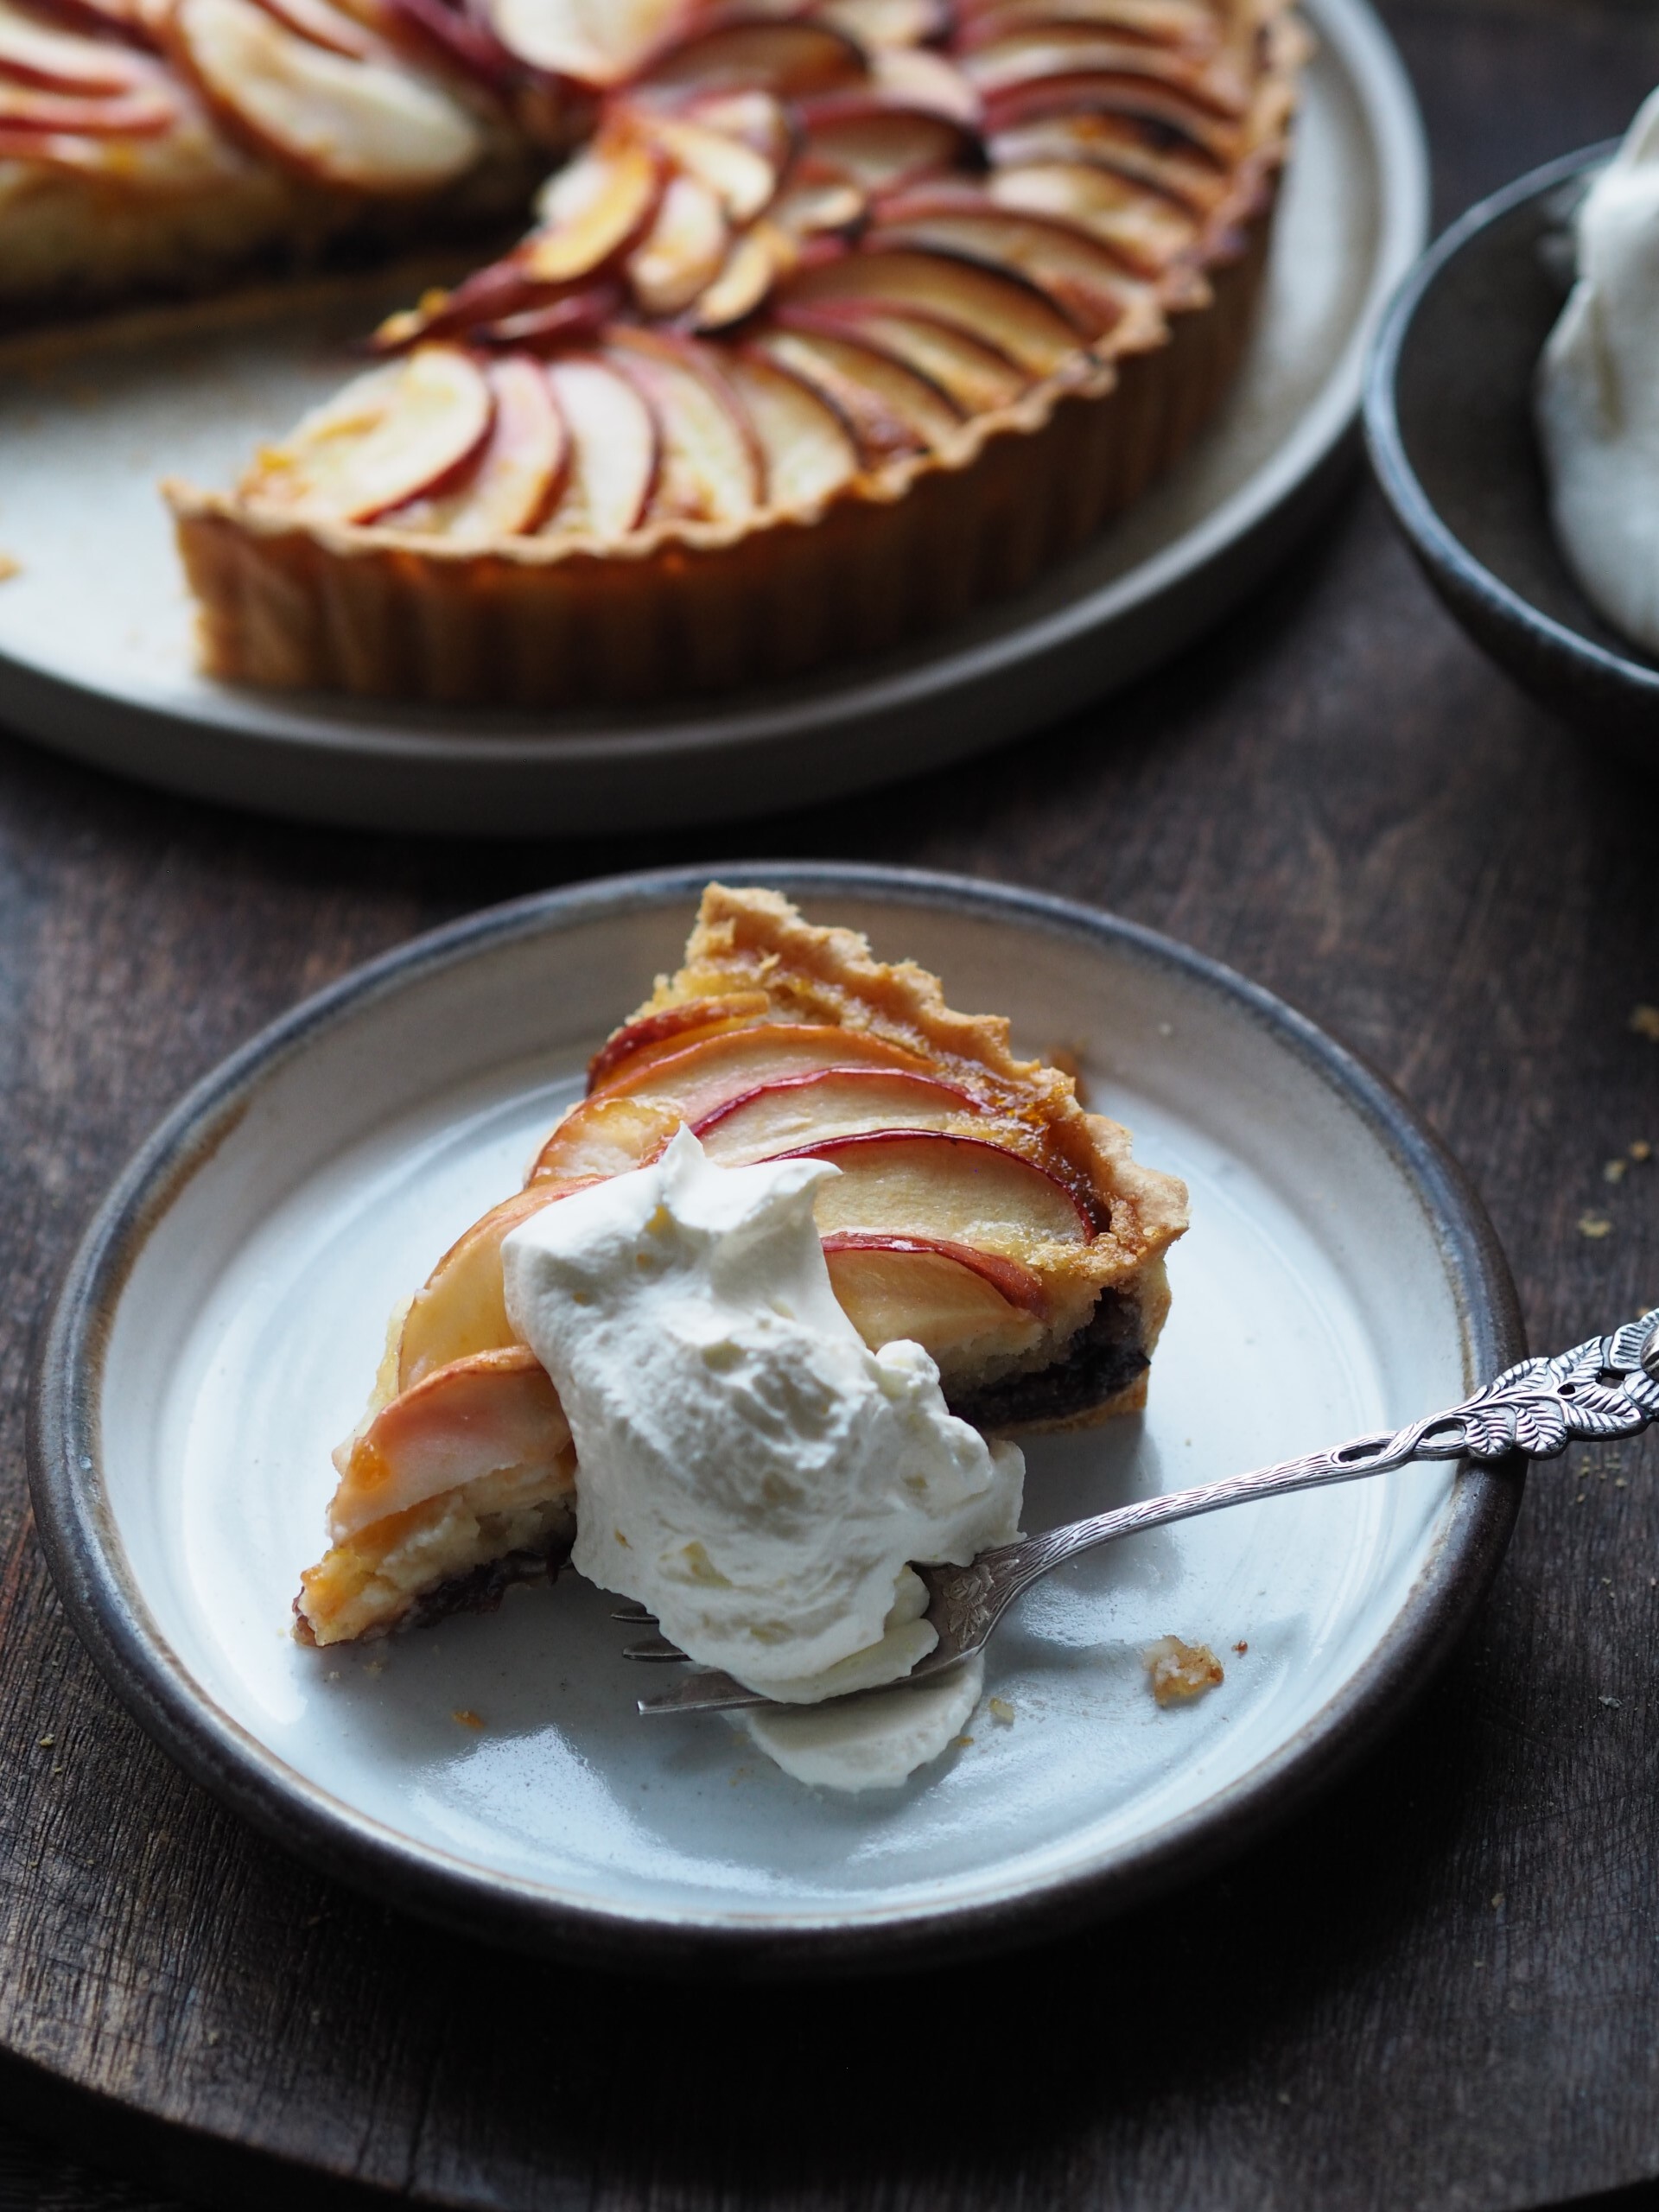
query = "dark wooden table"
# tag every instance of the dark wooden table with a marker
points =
(1438, 1990)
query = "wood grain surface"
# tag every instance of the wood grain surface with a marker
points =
(1440, 1989)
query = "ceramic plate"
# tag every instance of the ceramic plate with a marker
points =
(88, 427)
(223, 1320)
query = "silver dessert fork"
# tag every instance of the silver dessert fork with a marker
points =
(1608, 1387)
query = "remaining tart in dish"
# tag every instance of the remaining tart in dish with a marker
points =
(842, 317)
(979, 1211)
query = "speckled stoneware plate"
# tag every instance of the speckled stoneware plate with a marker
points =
(95, 652)
(222, 1321)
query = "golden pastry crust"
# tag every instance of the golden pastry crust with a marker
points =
(676, 606)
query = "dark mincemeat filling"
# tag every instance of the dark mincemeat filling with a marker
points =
(1102, 1359)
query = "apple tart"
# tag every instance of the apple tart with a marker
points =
(980, 1211)
(841, 317)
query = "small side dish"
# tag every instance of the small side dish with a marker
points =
(773, 1428)
(1598, 393)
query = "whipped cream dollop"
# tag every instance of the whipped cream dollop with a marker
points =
(1598, 393)
(746, 1467)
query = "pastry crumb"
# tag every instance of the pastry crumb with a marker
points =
(1180, 1672)
(46, 1742)
(964, 1743)
(1645, 1020)
(1615, 1171)
(1240, 1649)
(1641, 1149)
(1594, 1225)
(467, 1717)
(11, 566)
(1002, 1710)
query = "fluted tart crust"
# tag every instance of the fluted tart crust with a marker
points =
(979, 1210)
(842, 319)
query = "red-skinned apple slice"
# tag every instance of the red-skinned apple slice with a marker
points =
(742, 178)
(712, 469)
(948, 1297)
(1148, 234)
(476, 1417)
(577, 317)
(1123, 145)
(1083, 276)
(964, 1190)
(54, 60)
(452, 36)
(596, 42)
(684, 1083)
(887, 22)
(975, 376)
(684, 251)
(879, 145)
(375, 126)
(604, 1136)
(792, 1110)
(672, 1028)
(517, 474)
(1171, 22)
(615, 449)
(792, 58)
(461, 1309)
(595, 207)
(1004, 309)
(1045, 52)
(1152, 108)
(892, 409)
(144, 113)
(323, 26)
(756, 264)
(915, 77)
(393, 433)
(810, 448)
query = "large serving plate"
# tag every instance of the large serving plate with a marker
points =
(220, 1325)
(95, 644)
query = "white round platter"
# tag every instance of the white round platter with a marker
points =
(221, 1324)
(95, 627)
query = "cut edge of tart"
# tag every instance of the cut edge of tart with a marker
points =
(979, 1210)
(961, 472)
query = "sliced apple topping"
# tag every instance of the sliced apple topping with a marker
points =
(1082, 276)
(1138, 149)
(604, 1136)
(671, 1029)
(593, 208)
(391, 434)
(780, 1116)
(1003, 308)
(595, 42)
(1146, 233)
(615, 450)
(810, 449)
(894, 411)
(477, 1417)
(33, 51)
(878, 144)
(696, 1079)
(963, 1189)
(887, 22)
(946, 1297)
(712, 467)
(517, 475)
(373, 125)
(143, 113)
(973, 375)
(741, 178)
(753, 270)
(792, 58)
(1043, 52)
(915, 77)
(323, 25)
(1180, 22)
(462, 1308)
(684, 251)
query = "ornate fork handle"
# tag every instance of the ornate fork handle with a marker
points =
(1607, 1386)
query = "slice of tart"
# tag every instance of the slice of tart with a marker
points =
(841, 317)
(979, 1211)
